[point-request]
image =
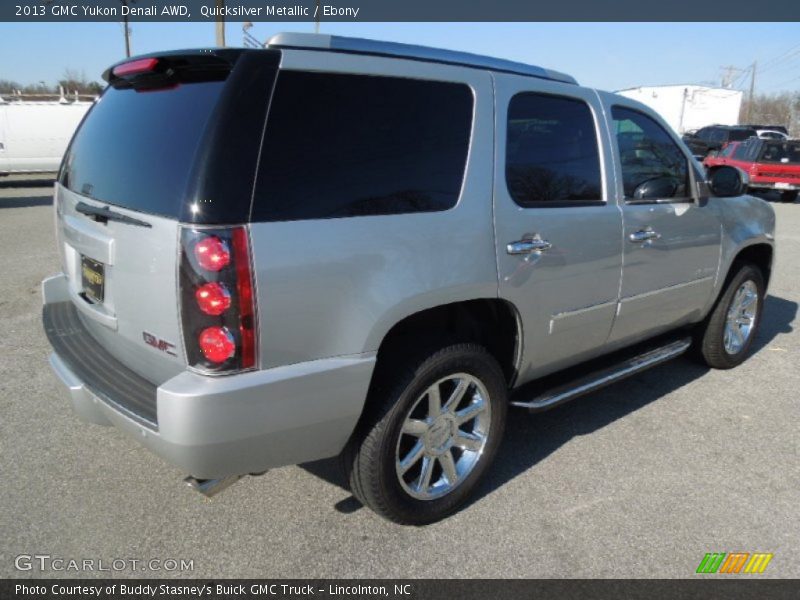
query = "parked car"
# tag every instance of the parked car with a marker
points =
(763, 128)
(771, 134)
(713, 137)
(335, 246)
(34, 135)
(771, 164)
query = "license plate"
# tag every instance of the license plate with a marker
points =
(782, 185)
(93, 279)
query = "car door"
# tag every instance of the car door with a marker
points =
(671, 238)
(558, 230)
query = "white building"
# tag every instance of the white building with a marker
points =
(34, 133)
(688, 107)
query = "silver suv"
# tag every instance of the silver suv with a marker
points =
(334, 246)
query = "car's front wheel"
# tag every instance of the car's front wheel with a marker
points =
(433, 426)
(728, 333)
(789, 196)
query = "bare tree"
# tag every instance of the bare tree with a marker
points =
(7, 86)
(774, 109)
(75, 81)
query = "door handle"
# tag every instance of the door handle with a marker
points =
(528, 246)
(644, 235)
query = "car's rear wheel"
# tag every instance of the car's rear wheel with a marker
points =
(789, 196)
(434, 427)
(728, 333)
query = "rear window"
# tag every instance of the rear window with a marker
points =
(780, 152)
(738, 135)
(341, 145)
(136, 148)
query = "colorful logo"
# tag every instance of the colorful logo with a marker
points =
(735, 562)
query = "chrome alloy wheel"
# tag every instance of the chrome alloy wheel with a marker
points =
(741, 317)
(443, 436)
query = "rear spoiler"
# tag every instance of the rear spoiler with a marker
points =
(167, 69)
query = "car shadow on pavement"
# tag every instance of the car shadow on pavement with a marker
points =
(529, 438)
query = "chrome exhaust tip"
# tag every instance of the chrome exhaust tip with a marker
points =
(211, 487)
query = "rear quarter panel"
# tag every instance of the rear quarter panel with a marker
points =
(336, 286)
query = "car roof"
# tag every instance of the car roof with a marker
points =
(350, 45)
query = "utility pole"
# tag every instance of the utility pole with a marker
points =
(752, 90)
(729, 74)
(126, 28)
(220, 23)
(316, 18)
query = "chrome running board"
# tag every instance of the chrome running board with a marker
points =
(599, 379)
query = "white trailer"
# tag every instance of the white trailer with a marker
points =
(35, 134)
(689, 107)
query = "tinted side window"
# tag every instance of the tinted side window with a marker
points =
(728, 150)
(350, 145)
(741, 151)
(718, 135)
(551, 151)
(649, 157)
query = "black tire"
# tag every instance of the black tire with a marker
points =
(789, 196)
(711, 335)
(371, 455)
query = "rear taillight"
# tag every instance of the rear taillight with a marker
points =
(212, 253)
(217, 300)
(213, 298)
(217, 344)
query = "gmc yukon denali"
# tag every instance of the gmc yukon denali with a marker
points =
(341, 247)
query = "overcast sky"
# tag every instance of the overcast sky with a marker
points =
(604, 55)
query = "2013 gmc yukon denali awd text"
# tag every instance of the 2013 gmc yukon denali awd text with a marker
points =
(335, 246)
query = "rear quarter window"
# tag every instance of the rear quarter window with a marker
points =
(343, 145)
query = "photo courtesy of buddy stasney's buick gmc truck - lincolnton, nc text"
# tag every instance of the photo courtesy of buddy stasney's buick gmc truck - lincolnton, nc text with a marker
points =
(341, 247)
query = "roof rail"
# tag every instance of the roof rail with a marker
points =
(335, 43)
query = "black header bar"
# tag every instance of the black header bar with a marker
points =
(401, 10)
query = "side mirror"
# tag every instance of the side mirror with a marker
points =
(656, 188)
(712, 154)
(726, 182)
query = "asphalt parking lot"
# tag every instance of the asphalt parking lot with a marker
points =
(639, 480)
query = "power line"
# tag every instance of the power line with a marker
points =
(788, 59)
(770, 62)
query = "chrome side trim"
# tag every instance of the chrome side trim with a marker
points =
(667, 289)
(577, 312)
(602, 378)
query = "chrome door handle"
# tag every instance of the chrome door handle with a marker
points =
(528, 246)
(644, 235)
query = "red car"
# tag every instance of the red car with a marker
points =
(771, 164)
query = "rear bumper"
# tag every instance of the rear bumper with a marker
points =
(214, 427)
(771, 185)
